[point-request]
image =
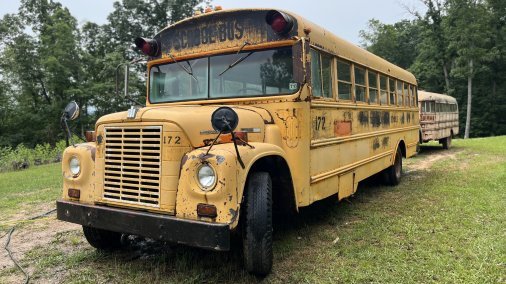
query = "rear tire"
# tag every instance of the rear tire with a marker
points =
(102, 239)
(392, 175)
(447, 142)
(257, 224)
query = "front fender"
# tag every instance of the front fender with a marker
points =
(231, 179)
(85, 181)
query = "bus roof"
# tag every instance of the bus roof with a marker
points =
(318, 37)
(440, 98)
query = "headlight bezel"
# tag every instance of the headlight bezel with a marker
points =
(208, 186)
(71, 166)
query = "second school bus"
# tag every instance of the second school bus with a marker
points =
(298, 115)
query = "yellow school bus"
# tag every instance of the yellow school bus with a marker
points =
(248, 112)
(439, 118)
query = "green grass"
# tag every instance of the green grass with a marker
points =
(442, 224)
(22, 191)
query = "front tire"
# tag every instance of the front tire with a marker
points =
(102, 239)
(392, 175)
(257, 224)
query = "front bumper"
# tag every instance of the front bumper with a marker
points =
(151, 225)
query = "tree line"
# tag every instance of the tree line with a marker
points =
(47, 59)
(457, 47)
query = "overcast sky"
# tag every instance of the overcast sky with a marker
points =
(343, 18)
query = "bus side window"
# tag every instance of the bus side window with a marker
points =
(373, 87)
(359, 84)
(343, 80)
(383, 90)
(423, 106)
(407, 99)
(316, 78)
(400, 97)
(326, 61)
(391, 83)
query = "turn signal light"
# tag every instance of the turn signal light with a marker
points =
(206, 210)
(149, 47)
(280, 22)
(74, 193)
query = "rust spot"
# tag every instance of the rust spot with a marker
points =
(385, 120)
(385, 141)
(375, 143)
(402, 118)
(363, 117)
(375, 118)
(342, 128)
(408, 117)
(393, 118)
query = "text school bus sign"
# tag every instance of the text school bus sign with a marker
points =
(213, 32)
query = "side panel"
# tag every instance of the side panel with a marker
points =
(351, 142)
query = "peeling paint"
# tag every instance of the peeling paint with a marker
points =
(375, 118)
(220, 159)
(375, 143)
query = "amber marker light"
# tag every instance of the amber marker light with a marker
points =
(206, 210)
(74, 193)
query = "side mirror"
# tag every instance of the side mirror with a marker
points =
(71, 111)
(224, 120)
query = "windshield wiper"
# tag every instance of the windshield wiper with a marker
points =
(189, 72)
(239, 60)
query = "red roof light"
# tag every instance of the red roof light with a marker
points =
(280, 22)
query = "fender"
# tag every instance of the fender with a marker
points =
(85, 180)
(228, 191)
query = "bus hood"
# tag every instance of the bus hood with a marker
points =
(195, 121)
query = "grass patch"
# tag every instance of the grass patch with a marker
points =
(443, 223)
(22, 191)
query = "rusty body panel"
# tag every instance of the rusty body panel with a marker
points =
(440, 119)
(327, 144)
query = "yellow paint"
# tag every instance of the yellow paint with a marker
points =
(322, 161)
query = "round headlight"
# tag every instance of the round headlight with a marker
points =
(206, 177)
(75, 166)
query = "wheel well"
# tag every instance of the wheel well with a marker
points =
(282, 194)
(403, 148)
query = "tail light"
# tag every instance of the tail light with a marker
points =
(148, 46)
(280, 22)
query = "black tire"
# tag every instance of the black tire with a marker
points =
(102, 239)
(447, 142)
(257, 224)
(392, 175)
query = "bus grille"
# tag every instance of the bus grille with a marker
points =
(132, 165)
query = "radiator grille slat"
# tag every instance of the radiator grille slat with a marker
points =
(132, 165)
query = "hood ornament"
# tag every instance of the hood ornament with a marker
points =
(132, 112)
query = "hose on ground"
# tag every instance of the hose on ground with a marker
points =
(9, 236)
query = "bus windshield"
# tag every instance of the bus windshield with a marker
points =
(247, 74)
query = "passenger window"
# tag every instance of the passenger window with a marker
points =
(391, 83)
(316, 79)
(359, 84)
(383, 90)
(327, 75)
(373, 87)
(343, 80)
(407, 100)
(400, 98)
